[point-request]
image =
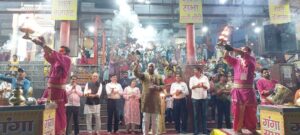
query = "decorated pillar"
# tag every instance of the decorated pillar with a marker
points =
(190, 13)
(65, 27)
(103, 51)
(97, 23)
(190, 43)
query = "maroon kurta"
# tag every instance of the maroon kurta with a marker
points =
(58, 75)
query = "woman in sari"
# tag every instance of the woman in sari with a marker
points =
(132, 106)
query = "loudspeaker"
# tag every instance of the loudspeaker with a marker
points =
(280, 38)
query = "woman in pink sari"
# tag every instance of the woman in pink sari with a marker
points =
(132, 106)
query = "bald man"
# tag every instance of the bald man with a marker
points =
(93, 91)
(150, 99)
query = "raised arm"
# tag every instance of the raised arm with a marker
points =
(137, 73)
(238, 51)
(40, 41)
(6, 79)
(229, 59)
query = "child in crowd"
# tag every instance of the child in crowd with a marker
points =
(169, 109)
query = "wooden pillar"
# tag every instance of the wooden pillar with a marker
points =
(103, 51)
(190, 43)
(97, 22)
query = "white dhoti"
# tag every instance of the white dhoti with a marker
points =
(89, 111)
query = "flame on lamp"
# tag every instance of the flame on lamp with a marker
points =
(224, 36)
(27, 27)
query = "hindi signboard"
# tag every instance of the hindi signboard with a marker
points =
(190, 11)
(64, 9)
(27, 120)
(48, 121)
(271, 122)
(279, 120)
(279, 11)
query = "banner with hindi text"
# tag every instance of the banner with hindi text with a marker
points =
(271, 122)
(27, 120)
(279, 120)
(279, 11)
(64, 9)
(49, 121)
(15, 122)
(190, 11)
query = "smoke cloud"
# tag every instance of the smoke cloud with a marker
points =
(126, 24)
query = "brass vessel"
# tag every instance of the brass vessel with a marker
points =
(17, 98)
(28, 32)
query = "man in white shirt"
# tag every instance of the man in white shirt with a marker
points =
(179, 91)
(93, 91)
(74, 92)
(199, 84)
(114, 92)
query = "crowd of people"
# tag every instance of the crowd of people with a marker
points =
(149, 97)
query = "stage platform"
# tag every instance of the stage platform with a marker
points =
(172, 132)
(123, 132)
(229, 132)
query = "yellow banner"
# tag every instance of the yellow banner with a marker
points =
(271, 123)
(27, 122)
(64, 9)
(279, 11)
(190, 11)
(21, 122)
(49, 122)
